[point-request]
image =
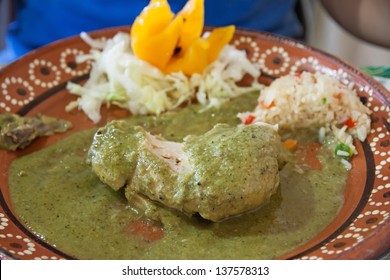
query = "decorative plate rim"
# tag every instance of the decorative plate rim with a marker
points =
(381, 94)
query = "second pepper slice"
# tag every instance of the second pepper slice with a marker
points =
(193, 21)
(202, 52)
(194, 60)
(217, 39)
(155, 33)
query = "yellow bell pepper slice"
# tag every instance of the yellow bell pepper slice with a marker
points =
(193, 17)
(154, 35)
(217, 39)
(153, 19)
(201, 52)
(194, 60)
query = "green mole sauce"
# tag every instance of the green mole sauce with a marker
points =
(55, 193)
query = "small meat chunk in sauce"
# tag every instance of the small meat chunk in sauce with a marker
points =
(224, 172)
(17, 132)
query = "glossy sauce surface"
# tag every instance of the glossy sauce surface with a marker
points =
(58, 197)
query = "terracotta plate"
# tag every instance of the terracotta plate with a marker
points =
(36, 83)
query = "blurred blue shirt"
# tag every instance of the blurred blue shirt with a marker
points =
(40, 22)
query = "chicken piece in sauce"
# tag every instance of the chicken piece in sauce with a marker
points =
(224, 172)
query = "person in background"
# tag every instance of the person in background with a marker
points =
(366, 19)
(39, 22)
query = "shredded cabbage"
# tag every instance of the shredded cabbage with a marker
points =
(119, 77)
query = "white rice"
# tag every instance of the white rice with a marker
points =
(313, 101)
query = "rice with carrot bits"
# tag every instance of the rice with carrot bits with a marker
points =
(314, 100)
